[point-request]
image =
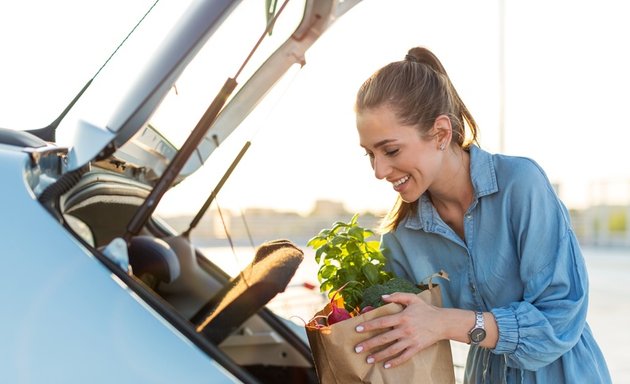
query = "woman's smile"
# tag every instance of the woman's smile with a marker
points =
(398, 183)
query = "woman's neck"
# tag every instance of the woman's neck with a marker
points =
(453, 191)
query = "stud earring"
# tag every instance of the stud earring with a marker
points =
(442, 147)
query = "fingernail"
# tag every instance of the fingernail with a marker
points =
(387, 365)
(358, 349)
(370, 360)
(359, 328)
(384, 296)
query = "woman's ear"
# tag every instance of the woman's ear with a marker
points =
(443, 131)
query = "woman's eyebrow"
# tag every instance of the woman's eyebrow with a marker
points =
(383, 142)
(379, 144)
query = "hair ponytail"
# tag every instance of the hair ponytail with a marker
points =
(461, 114)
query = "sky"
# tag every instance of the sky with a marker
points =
(565, 90)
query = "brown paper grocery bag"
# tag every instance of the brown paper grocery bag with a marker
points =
(336, 361)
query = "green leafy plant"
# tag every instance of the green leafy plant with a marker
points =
(348, 259)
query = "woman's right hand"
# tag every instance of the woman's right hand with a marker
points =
(418, 326)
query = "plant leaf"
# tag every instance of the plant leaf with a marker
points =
(353, 249)
(325, 286)
(357, 233)
(327, 271)
(318, 255)
(371, 273)
(316, 242)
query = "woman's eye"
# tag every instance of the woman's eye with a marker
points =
(391, 153)
(369, 154)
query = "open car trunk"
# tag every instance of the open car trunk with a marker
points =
(186, 287)
(134, 131)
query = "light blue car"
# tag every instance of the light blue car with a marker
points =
(96, 289)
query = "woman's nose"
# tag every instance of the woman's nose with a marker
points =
(381, 168)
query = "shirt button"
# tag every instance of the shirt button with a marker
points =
(472, 287)
(468, 216)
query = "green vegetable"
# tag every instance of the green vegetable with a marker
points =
(347, 259)
(372, 295)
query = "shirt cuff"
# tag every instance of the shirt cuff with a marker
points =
(508, 330)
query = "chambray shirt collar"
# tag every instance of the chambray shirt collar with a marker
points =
(484, 180)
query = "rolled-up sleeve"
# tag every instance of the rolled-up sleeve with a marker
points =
(537, 331)
(550, 318)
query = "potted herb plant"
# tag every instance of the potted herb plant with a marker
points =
(353, 272)
(352, 265)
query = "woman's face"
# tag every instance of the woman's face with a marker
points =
(398, 153)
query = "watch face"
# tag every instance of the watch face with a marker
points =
(477, 335)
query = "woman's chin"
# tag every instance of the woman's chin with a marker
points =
(408, 196)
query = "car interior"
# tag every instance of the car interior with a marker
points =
(205, 303)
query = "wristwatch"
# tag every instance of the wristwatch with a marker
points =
(478, 332)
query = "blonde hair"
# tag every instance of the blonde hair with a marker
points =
(418, 90)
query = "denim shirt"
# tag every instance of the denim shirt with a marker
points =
(519, 260)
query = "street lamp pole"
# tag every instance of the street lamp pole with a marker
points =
(502, 93)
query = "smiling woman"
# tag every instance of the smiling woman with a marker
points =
(518, 287)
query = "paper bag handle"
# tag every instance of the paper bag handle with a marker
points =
(442, 273)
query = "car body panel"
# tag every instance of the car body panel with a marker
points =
(67, 318)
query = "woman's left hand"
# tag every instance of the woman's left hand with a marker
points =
(416, 327)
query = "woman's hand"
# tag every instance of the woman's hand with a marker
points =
(415, 328)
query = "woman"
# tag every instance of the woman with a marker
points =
(518, 288)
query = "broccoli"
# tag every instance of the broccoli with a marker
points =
(372, 295)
